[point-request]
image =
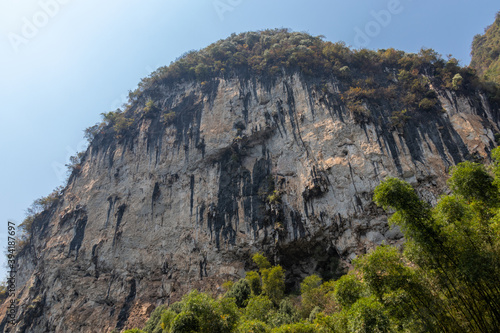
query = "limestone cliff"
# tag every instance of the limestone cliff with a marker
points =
(281, 166)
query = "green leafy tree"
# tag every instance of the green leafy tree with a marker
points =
(150, 108)
(253, 279)
(122, 125)
(348, 290)
(485, 52)
(454, 247)
(118, 121)
(200, 312)
(273, 278)
(253, 326)
(273, 283)
(457, 81)
(345, 71)
(383, 271)
(388, 277)
(91, 132)
(186, 322)
(229, 313)
(261, 261)
(241, 292)
(168, 118)
(166, 321)
(36, 208)
(473, 183)
(301, 327)
(314, 313)
(154, 319)
(367, 316)
(399, 118)
(427, 104)
(327, 324)
(309, 284)
(311, 292)
(286, 314)
(259, 308)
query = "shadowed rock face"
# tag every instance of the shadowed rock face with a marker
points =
(244, 167)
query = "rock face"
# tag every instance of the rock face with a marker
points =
(245, 166)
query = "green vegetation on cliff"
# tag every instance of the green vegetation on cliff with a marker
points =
(271, 53)
(390, 79)
(445, 279)
(486, 52)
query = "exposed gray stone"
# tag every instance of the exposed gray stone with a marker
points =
(185, 206)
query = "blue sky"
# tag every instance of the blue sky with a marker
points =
(63, 62)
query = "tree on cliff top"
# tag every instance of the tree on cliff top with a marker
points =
(486, 52)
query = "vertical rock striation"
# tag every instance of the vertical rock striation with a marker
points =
(244, 166)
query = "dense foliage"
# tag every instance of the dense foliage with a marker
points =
(403, 83)
(34, 211)
(445, 280)
(448, 275)
(270, 53)
(486, 52)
